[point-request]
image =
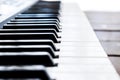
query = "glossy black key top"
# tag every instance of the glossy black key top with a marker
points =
(30, 31)
(31, 20)
(28, 42)
(36, 17)
(27, 48)
(26, 58)
(50, 9)
(27, 36)
(24, 72)
(40, 7)
(48, 4)
(42, 11)
(36, 22)
(32, 26)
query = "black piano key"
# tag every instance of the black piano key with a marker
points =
(42, 11)
(47, 4)
(35, 12)
(30, 58)
(33, 20)
(36, 22)
(30, 31)
(50, 2)
(40, 48)
(27, 36)
(32, 26)
(24, 72)
(36, 17)
(57, 3)
(40, 7)
(28, 42)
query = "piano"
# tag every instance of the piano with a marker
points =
(49, 40)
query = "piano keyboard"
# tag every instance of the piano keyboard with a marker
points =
(52, 41)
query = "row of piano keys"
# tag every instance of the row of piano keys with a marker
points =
(27, 42)
(31, 46)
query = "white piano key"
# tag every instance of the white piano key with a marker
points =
(82, 51)
(75, 37)
(83, 61)
(80, 44)
(83, 69)
(85, 76)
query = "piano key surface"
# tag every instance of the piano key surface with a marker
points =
(82, 56)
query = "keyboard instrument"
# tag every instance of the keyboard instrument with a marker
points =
(50, 40)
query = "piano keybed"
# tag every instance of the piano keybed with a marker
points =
(28, 42)
(46, 42)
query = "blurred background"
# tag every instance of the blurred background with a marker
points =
(104, 16)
